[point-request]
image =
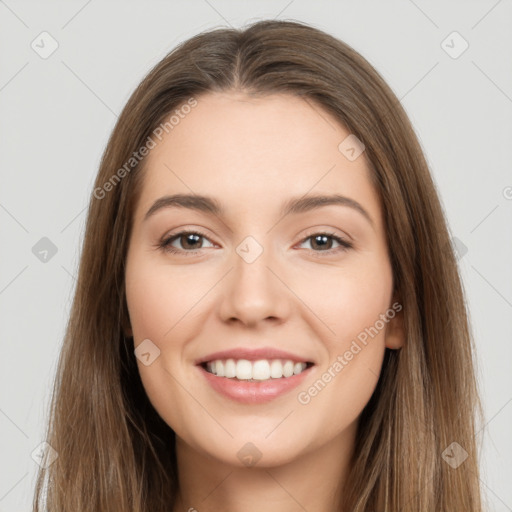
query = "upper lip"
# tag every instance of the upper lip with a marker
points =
(253, 354)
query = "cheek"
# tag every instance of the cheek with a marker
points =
(349, 299)
(352, 305)
(156, 302)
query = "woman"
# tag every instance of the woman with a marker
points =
(310, 350)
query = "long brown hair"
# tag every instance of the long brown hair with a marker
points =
(115, 452)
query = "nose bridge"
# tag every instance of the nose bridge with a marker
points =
(253, 292)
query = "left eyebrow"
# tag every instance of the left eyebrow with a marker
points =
(294, 205)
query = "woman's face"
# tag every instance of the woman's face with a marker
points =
(257, 276)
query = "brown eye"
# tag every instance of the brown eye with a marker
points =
(190, 242)
(322, 242)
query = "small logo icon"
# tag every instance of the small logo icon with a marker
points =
(249, 249)
(44, 249)
(454, 455)
(44, 45)
(459, 247)
(454, 45)
(249, 454)
(44, 455)
(351, 147)
(146, 352)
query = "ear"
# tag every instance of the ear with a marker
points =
(395, 332)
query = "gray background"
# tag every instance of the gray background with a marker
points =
(57, 113)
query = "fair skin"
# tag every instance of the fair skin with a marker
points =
(252, 155)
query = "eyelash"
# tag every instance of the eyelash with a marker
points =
(165, 246)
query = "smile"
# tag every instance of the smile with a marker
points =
(254, 382)
(260, 370)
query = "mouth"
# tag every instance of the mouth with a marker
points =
(238, 383)
(261, 370)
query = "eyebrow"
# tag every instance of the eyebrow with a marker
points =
(294, 205)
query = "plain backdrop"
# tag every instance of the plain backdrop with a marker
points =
(58, 110)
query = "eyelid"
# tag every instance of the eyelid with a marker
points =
(345, 243)
(317, 230)
(164, 242)
(310, 232)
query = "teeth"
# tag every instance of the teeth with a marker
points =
(260, 370)
(243, 369)
(297, 368)
(230, 368)
(276, 369)
(288, 369)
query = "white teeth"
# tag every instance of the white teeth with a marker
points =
(260, 370)
(218, 368)
(230, 368)
(243, 369)
(276, 369)
(288, 369)
(297, 368)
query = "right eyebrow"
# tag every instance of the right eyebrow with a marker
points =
(193, 202)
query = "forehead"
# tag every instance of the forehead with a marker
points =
(254, 154)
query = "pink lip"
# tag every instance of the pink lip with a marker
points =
(253, 355)
(253, 392)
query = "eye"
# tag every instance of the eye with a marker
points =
(322, 240)
(187, 239)
(192, 239)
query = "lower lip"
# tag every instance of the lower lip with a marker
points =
(254, 392)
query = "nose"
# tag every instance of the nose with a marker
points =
(255, 291)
